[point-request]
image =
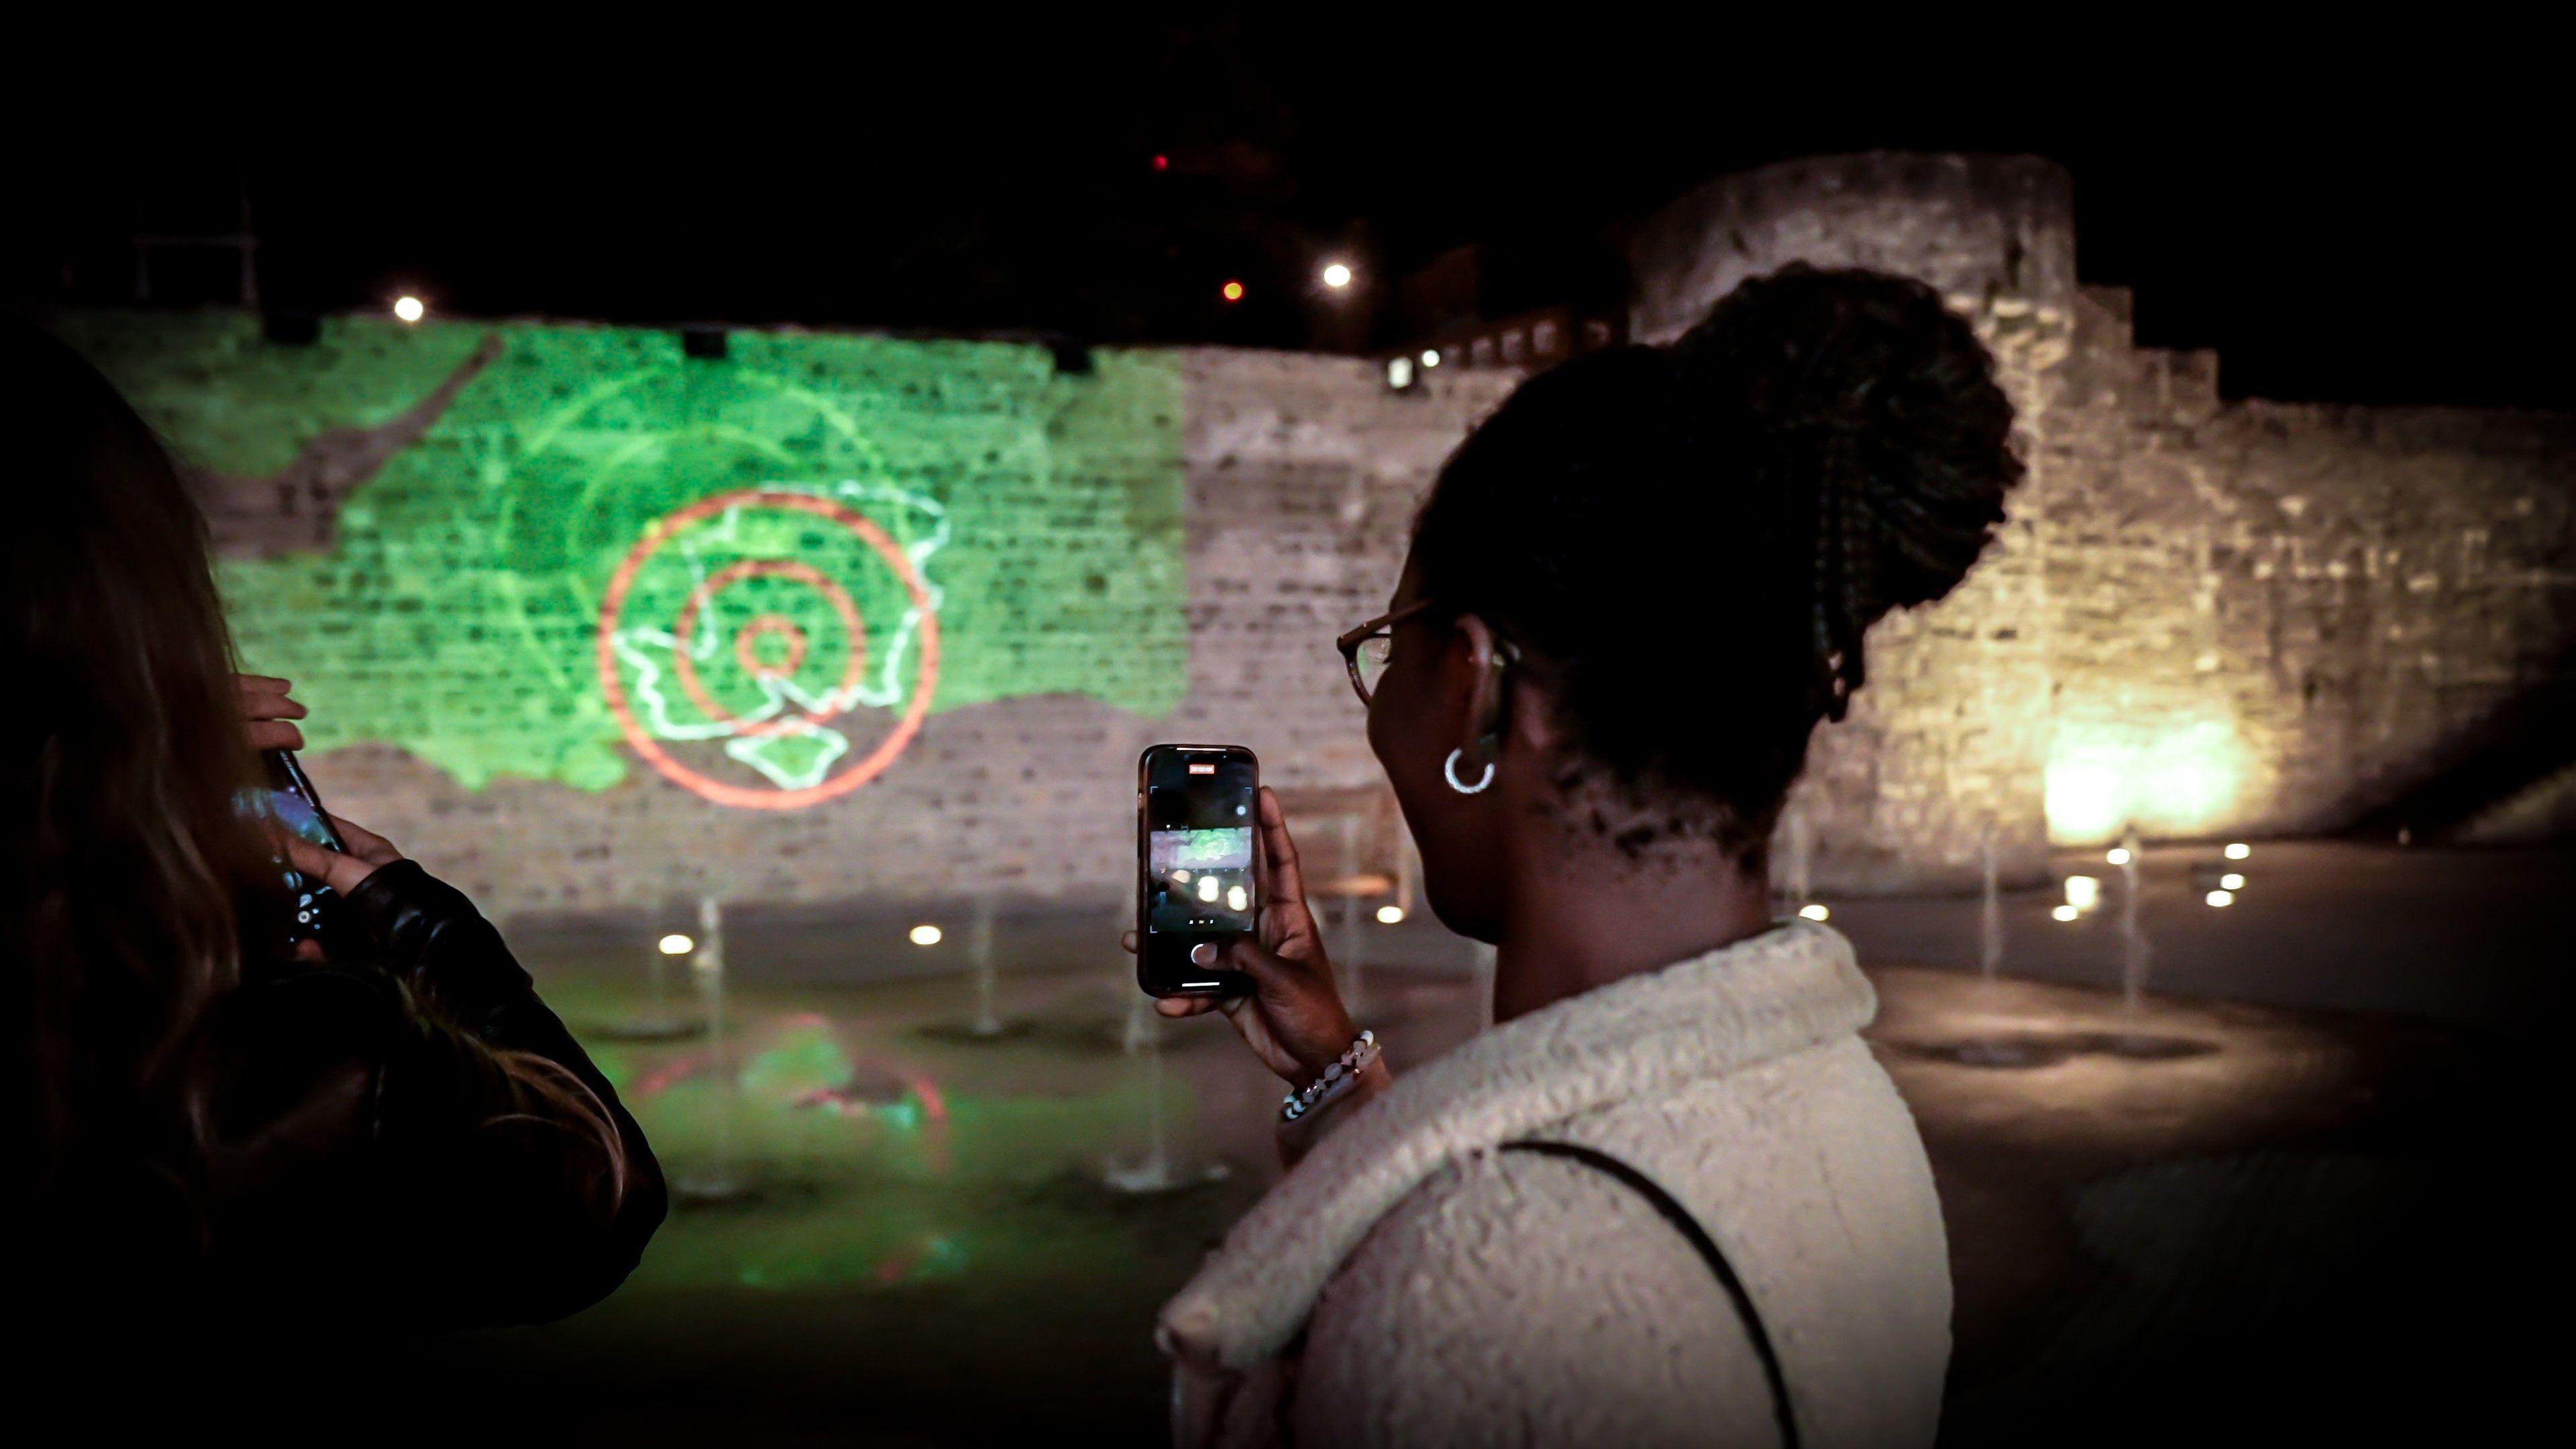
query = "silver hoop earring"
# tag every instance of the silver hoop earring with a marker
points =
(1450, 769)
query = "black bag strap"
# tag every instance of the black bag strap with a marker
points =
(1689, 1227)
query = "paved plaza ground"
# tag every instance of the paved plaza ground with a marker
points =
(2302, 1186)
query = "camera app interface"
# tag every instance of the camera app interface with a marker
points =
(1199, 848)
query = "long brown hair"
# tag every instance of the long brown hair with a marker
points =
(126, 865)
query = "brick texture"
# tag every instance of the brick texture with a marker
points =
(2203, 616)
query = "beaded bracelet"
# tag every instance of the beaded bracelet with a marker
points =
(1336, 1079)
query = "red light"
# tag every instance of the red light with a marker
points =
(1162, 162)
(1234, 291)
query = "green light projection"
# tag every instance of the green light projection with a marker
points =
(535, 539)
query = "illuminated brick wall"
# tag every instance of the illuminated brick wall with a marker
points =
(2273, 616)
(2205, 617)
(2202, 616)
(419, 527)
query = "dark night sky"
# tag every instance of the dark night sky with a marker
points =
(2335, 232)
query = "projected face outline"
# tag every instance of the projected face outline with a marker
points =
(646, 741)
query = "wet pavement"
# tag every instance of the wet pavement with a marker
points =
(2199, 1212)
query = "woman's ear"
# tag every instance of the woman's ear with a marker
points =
(1488, 702)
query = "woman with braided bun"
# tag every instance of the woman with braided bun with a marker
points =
(1669, 1198)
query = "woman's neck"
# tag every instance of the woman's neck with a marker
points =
(1584, 915)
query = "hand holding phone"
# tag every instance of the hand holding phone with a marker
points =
(1196, 889)
(1288, 1009)
(295, 807)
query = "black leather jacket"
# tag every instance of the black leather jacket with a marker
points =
(409, 1138)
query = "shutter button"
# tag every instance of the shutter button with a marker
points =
(1203, 954)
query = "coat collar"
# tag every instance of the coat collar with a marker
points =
(1787, 989)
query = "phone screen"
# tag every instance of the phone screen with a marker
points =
(1196, 888)
(290, 800)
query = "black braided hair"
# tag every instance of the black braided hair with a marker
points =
(1693, 540)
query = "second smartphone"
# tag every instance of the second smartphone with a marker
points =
(1196, 810)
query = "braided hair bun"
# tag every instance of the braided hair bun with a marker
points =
(1693, 540)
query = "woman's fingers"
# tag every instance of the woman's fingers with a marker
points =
(1127, 941)
(1286, 885)
(265, 712)
(265, 698)
(1180, 1006)
(341, 873)
(365, 844)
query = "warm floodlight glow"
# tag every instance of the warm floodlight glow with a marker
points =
(410, 309)
(2239, 850)
(2220, 898)
(2231, 882)
(1237, 898)
(1336, 275)
(2083, 892)
(2119, 855)
(1814, 912)
(1390, 915)
(2064, 913)
(1231, 291)
(1208, 887)
(1431, 357)
(676, 944)
(925, 935)
(2179, 781)
(2085, 800)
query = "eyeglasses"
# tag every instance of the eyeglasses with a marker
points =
(1367, 648)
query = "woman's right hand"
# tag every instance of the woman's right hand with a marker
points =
(367, 853)
(1293, 1019)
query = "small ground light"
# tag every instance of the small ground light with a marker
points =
(2231, 881)
(1231, 291)
(2238, 850)
(1162, 163)
(2083, 892)
(1431, 357)
(410, 309)
(925, 935)
(1336, 275)
(1399, 372)
(2119, 855)
(1814, 911)
(2064, 913)
(676, 944)
(1390, 915)
(2220, 898)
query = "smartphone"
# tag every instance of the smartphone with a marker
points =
(291, 800)
(1195, 892)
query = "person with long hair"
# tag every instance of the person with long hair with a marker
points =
(1670, 1197)
(381, 1132)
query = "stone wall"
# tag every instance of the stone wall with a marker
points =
(2273, 617)
(1301, 475)
(2204, 617)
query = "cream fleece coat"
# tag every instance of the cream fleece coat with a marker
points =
(1408, 1284)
